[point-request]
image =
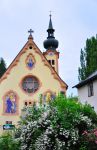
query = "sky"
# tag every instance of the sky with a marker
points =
(73, 20)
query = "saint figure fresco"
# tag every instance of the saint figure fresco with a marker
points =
(10, 103)
(30, 62)
(48, 96)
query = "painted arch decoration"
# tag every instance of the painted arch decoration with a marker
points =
(30, 61)
(10, 103)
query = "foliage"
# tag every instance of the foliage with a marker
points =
(73, 97)
(88, 59)
(2, 67)
(7, 142)
(89, 140)
(56, 126)
(82, 69)
(62, 124)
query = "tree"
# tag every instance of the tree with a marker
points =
(88, 59)
(2, 67)
(82, 70)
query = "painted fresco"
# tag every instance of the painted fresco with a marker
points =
(30, 62)
(10, 104)
(48, 96)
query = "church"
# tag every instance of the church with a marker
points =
(32, 75)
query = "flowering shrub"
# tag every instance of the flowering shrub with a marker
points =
(57, 126)
(89, 139)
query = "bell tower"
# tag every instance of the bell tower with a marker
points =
(51, 44)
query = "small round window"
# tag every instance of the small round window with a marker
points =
(30, 84)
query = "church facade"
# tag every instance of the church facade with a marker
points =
(31, 75)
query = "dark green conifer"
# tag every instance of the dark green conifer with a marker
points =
(2, 67)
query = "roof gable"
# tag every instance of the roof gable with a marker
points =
(30, 43)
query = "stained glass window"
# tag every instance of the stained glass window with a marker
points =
(30, 84)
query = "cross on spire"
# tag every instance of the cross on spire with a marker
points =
(30, 36)
(30, 31)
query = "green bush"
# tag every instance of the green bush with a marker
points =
(7, 142)
(59, 125)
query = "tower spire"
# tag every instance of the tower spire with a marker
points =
(51, 42)
(50, 29)
(50, 22)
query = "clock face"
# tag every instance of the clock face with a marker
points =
(51, 54)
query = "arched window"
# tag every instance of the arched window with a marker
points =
(30, 84)
(10, 103)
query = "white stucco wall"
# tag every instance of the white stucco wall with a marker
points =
(83, 95)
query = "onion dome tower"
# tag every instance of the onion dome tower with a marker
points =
(51, 44)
